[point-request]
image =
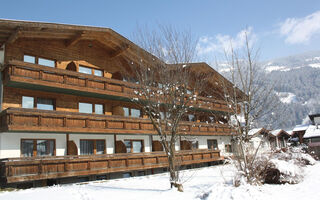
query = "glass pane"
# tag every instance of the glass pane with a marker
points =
(27, 148)
(212, 144)
(137, 146)
(100, 146)
(85, 70)
(191, 118)
(98, 108)
(86, 147)
(45, 147)
(135, 112)
(27, 102)
(44, 104)
(85, 107)
(46, 62)
(29, 59)
(98, 72)
(126, 112)
(128, 145)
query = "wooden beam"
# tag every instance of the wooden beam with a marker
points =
(119, 51)
(74, 39)
(14, 36)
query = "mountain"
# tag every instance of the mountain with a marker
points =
(296, 81)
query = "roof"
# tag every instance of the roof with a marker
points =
(217, 81)
(300, 128)
(254, 131)
(111, 41)
(278, 132)
(290, 132)
(312, 131)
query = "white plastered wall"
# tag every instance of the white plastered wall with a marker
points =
(10, 142)
(222, 141)
(265, 144)
(145, 138)
(2, 54)
(109, 140)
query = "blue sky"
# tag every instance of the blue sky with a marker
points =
(278, 27)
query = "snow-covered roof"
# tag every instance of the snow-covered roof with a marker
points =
(254, 131)
(290, 132)
(300, 128)
(276, 132)
(312, 131)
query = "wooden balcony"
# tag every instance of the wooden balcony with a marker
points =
(32, 76)
(15, 170)
(22, 119)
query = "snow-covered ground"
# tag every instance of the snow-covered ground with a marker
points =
(204, 183)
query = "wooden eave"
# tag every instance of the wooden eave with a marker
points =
(12, 30)
(215, 81)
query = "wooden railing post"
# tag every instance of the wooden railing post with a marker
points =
(40, 74)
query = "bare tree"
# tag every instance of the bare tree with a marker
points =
(250, 98)
(167, 92)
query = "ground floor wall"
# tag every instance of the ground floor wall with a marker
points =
(10, 142)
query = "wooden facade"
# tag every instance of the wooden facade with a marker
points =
(58, 53)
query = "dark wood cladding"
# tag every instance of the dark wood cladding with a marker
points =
(15, 170)
(27, 73)
(22, 119)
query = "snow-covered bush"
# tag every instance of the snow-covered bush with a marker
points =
(290, 163)
(275, 167)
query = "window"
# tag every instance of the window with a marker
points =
(90, 108)
(228, 148)
(27, 102)
(88, 70)
(98, 72)
(131, 112)
(85, 70)
(90, 147)
(46, 62)
(195, 145)
(39, 61)
(45, 104)
(85, 108)
(134, 146)
(29, 59)
(212, 144)
(37, 147)
(98, 108)
(135, 112)
(39, 103)
(191, 118)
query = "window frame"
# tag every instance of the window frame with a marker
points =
(94, 146)
(34, 150)
(131, 143)
(36, 60)
(35, 102)
(212, 145)
(228, 148)
(93, 105)
(92, 70)
(130, 113)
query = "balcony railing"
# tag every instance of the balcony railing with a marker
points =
(27, 73)
(22, 119)
(38, 168)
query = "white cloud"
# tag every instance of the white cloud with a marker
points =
(300, 30)
(220, 43)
